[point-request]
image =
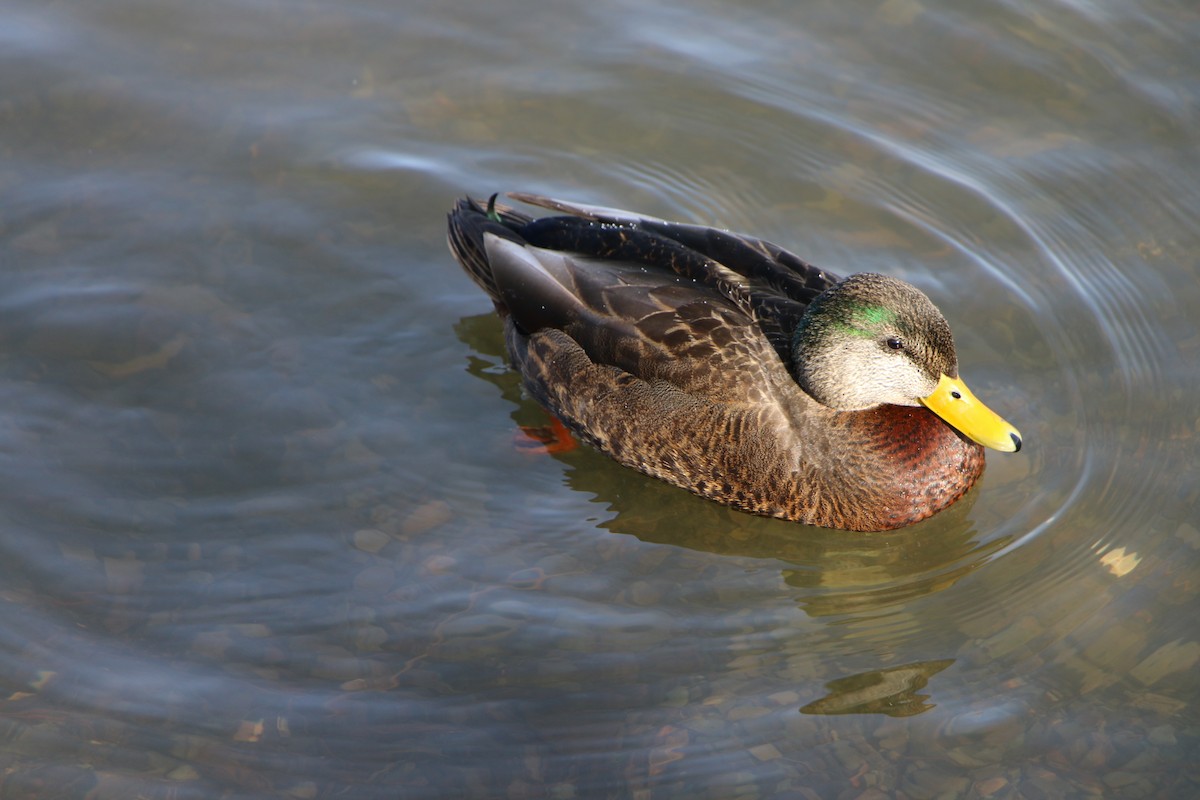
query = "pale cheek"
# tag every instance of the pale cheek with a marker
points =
(900, 382)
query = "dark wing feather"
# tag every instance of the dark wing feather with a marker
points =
(754, 258)
(771, 286)
(467, 224)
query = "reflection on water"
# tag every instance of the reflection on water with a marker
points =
(891, 691)
(265, 532)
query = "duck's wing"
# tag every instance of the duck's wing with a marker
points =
(771, 284)
(651, 324)
(662, 373)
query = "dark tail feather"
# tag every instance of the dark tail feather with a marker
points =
(467, 223)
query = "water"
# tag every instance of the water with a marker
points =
(267, 529)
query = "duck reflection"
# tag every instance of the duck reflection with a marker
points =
(891, 691)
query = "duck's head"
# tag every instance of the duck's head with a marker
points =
(872, 339)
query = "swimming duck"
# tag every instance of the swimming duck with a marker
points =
(727, 366)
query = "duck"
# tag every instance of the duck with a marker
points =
(730, 367)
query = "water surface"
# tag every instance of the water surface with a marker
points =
(268, 529)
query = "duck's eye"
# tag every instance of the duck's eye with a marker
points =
(894, 343)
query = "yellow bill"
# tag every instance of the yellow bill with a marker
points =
(953, 402)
